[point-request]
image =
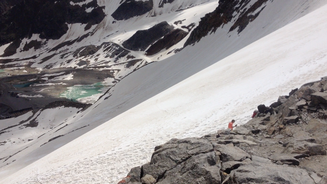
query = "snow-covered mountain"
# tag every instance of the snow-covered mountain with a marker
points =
(165, 69)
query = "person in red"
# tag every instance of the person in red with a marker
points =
(254, 113)
(231, 125)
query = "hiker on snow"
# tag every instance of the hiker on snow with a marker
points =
(231, 125)
(255, 112)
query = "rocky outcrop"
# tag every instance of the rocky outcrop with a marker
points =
(167, 41)
(163, 2)
(155, 39)
(237, 11)
(132, 8)
(6, 5)
(247, 15)
(144, 38)
(286, 144)
(47, 18)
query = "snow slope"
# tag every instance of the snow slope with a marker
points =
(182, 105)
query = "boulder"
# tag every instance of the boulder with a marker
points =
(318, 98)
(316, 126)
(308, 148)
(305, 93)
(201, 168)
(282, 99)
(315, 149)
(148, 179)
(301, 103)
(173, 153)
(242, 130)
(288, 106)
(230, 152)
(135, 174)
(263, 109)
(262, 170)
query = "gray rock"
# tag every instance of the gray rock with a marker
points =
(323, 83)
(308, 148)
(231, 153)
(202, 168)
(282, 99)
(254, 123)
(261, 170)
(323, 180)
(315, 149)
(135, 174)
(148, 179)
(291, 120)
(284, 109)
(301, 103)
(173, 153)
(305, 93)
(318, 98)
(285, 159)
(316, 178)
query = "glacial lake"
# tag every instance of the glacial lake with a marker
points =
(82, 91)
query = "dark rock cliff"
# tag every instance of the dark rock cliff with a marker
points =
(166, 42)
(285, 143)
(47, 18)
(132, 8)
(144, 38)
(227, 11)
(163, 2)
(6, 5)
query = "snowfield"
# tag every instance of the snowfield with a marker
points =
(192, 93)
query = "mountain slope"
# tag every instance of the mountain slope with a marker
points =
(179, 100)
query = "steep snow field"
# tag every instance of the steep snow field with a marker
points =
(190, 106)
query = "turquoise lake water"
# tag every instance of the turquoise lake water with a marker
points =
(81, 91)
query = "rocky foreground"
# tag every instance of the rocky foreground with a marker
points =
(285, 144)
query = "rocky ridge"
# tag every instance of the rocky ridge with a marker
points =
(287, 143)
(47, 18)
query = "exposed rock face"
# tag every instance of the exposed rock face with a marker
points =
(167, 41)
(132, 8)
(223, 14)
(265, 150)
(47, 18)
(162, 2)
(144, 38)
(248, 15)
(6, 5)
